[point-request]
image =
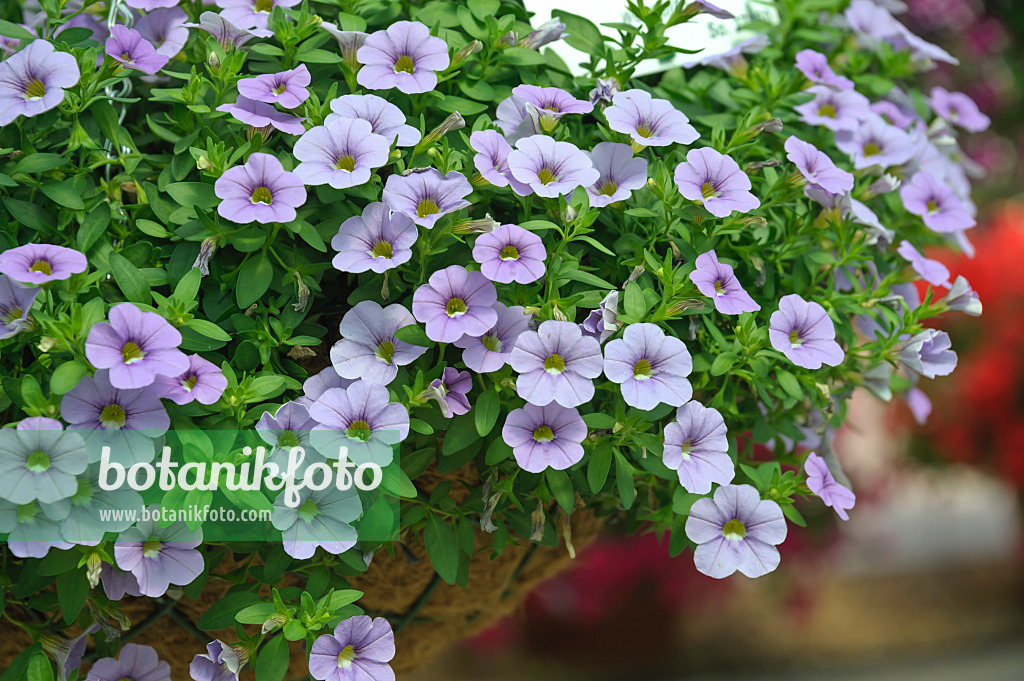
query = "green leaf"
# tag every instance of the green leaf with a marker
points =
(38, 163)
(413, 334)
(257, 613)
(482, 9)
(254, 279)
(598, 466)
(624, 479)
(67, 375)
(93, 226)
(132, 282)
(442, 548)
(317, 56)
(581, 33)
(16, 671)
(208, 329)
(520, 56)
(599, 420)
(64, 193)
(193, 194)
(789, 383)
(188, 286)
(154, 229)
(486, 412)
(272, 663)
(39, 667)
(723, 363)
(222, 613)
(585, 277)
(459, 435)
(72, 590)
(30, 214)
(634, 303)
(561, 488)
(596, 244)
(9, 30)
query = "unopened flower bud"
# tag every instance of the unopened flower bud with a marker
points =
(677, 255)
(467, 52)
(884, 185)
(537, 523)
(47, 343)
(301, 293)
(605, 90)
(548, 32)
(635, 274)
(681, 306)
(385, 289)
(558, 314)
(93, 563)
(273, 622)
(509, 39)
(508, 383)
(455, 121)
(570, 214)
(760, 165)
(567, 536)
(213, 61)
(483, 226)
(771, 125)
(203, 163)
(753, 221)
(205, 253)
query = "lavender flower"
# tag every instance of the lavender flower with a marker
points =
(450, 391)
(322, 519)
(288, 427)
(544, 437)
(203, 382)
(548, 32)
(648, 121)
(603, 322)
(551, 168)
(715, 180)
(126, 46)
(814, 65)
(287, 88)
(551, 103)
(261, 190)
(318, 384)
(360, 418)
(717, 281)
(696, 448)
(252, 14)
(736, 530)
(455, 302)
(491, 160)
(387, 120)
(32, 531)
(15, 302)
(165, 29)
(491, 350)
(836, 110)
(358, 650)
(963, 298)
(343, 154)
(33, 80)
(404, 56)
(261, 115)
(556, 363)
(40, 465)
(893, 114)
(136, 346)
(223, 31)
(959, 109)
(928, 354)
(932, 271)
(803, 332)
(705, 7)
(159, 556)
(39, 423)
(620, 173)
(517, 118)
(876, 143)
(919, 404)
(219, 663)
(605, 91)
(83, 512)
(368, 348)
(133, 663)
(510, 253)
(41, 263)
(378, 240)
(150, 5)
(822, 483)
(650, 367)
(94, 404)
(817, 168)
(427, 195)
(936, 204)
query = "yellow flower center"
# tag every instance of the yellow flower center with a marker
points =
(455, 307)
(385, 351)
(554, 364)
(719, 288)
(643, 130)
(113, 417)
(382, 249)
(346, 657)
(190, 382)
(131, 353)
(262, 195)
(264, 5)
(642, 370)
(872, 149)
(125, 56)
(287, 440)
(12, 314)
(359, 430)
(707, 190)
(491, 342)
(38, 461)
(827, 110)
(405, 64)
(794, 338)
(346, 162)
(543, 434)
(608, 188)
(546, 176)
(41, 266)
(35, 89)
(510, 252)
(932, 206)
(427, 207)
(151, 548)
(734, 530)
(280, 88)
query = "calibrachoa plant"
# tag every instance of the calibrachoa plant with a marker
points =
(407, 227)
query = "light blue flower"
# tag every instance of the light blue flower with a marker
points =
(322, 518)
(40, 464)
(33, 531)
(82, 511)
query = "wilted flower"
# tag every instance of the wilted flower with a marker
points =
(203, 382)
(165, 29)
(836, 110)
(40, 465)
(736, 530)
(650, 367)
(33, 80)
(556, 363)
(16, 301)
(404, 56)
(41, 263)
(126, 46)
(378, 240)
(342, 154)
(817, 168)
(821, 482)
(223, 31)
(936, 203)
(544, 437)
(814, 65)
(261, 190)
(159, 556)
(620, 173)
(932, 271)
(803, 332)
(959, 109)
(451, 390)
(135, 346)
(262, 115)
(717, 281)
(427, 195)
(648, 121)
(548, 32)
(219, 663)
(603, 322)
(455, 302)
(510, 253)
(368, 348)
(386, 119)
(358, 650)
(551, 168)
(491, 350)
(715, 180)
(287, 88)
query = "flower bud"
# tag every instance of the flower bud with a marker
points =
(301, 292)
(605, 90)
(509, 39)
(273, 622)
(570, 214)
(213, 61)
(483, 226)
(349, 42)
(771, 125)
(455, 121)
(93, 563)
(467, 52)
(205, 253)
(537, 523)
(759, 165)
(548, 32)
